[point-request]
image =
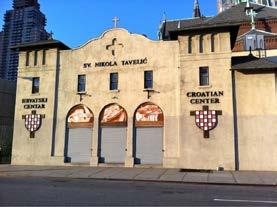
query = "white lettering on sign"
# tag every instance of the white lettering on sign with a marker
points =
(142, 61)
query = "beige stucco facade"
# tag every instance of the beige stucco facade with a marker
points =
(175, 80)
(257, 117)
(32, 149)
(130, 95)
(196, 151)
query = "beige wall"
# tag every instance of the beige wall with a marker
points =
(267, 53)
(130, 95)
(256, 105)
(131, 84)
(175, 74)
(38, 150)
(257, 118)
(218, 150)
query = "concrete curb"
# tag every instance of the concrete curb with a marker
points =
(158, 175)
(142, 180)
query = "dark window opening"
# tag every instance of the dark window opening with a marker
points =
(81, 83)
(27, 58)
(204, 76)
(212, 43)
(201, 44)
(190, 45)
(36, 58)
(113, 81)
(35, 85)
(43, 57)
(148, 79)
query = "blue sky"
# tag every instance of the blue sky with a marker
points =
(76, 21)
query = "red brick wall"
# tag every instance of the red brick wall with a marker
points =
(270, 43)
(238, 46)
(267, 25)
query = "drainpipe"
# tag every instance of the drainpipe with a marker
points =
(56, 93)
(235, 116)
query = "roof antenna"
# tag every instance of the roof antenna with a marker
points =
(249, 10)
(247, 4)
(237, 2)
(162, 27)
(50, 37)
(164, 17)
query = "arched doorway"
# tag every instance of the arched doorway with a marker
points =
(79, 124)
(113, 123)
(148, 139)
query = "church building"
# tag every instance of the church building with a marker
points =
(185, 101)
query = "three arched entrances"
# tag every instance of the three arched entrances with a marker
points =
(148, 138)
(113, 134)
(79, 125)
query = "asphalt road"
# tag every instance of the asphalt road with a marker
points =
(34, 191)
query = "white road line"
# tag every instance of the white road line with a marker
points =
(244, 201)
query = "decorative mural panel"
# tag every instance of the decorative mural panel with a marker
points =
(206, 119)
(80, 117)
(33, 122)
(114, 115)
(149, 114)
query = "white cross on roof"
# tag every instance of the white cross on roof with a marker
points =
(115, 20)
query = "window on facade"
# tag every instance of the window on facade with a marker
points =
(81, 83)
(36, 58)
(35, 85)
(113, 81)
(27, 58)
(203, 76)
(190, 45)
(212, 42)
(201, 44)
(43, 57)
(148, 79)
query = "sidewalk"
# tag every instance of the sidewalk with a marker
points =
(143, 174)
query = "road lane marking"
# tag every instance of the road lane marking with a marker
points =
(245, 201)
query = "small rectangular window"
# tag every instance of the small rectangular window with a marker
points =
(113, 81)
(43, 57)
(204, 76)
(212, 43)
(190, 45)
(27, 58)
(148, 79)
(201, 44)
(81, 83)
(36, 58)
(35, 85)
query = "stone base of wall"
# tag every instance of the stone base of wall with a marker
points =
(43, 161)
(170, 162)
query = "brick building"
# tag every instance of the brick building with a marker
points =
(235, 17)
